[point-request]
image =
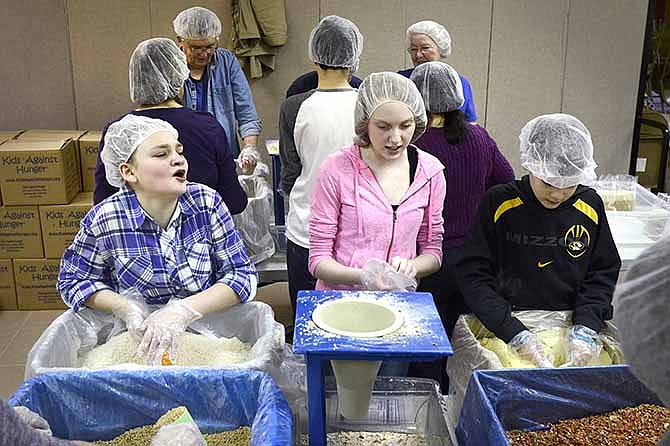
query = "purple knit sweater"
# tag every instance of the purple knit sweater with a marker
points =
(471, 168)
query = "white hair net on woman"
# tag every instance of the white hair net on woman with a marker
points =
(157, 71)
(123, 137)
(642, 316)
(336, 42)
(440, 86)
(557, 149)
(435, 31)
(197, 23)
(379, 88)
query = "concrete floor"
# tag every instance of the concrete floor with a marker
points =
(18, 332)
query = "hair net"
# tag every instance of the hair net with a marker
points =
(197, 23)
(435, 31)
(379, 88)
(557, 148)
(642, 316)
(440, 86)
(157, 71)
(123, 137)
(336, 42)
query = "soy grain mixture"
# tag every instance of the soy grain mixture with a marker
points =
(370, 439)
(643, 425)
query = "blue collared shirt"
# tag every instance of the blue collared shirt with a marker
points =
(229, 97)
(119, 247)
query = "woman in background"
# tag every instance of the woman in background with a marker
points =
(473, 163)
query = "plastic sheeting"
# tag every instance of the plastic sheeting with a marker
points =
(69, 336)
(469, 355)
(500, 400)
(253, 223)
(100, 406)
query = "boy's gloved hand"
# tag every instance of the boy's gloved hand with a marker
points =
(182, 434)
(162, 330)
(528, 346)
(378, 275)
(583, 346)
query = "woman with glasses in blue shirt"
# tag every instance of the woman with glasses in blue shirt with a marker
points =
(170, 240)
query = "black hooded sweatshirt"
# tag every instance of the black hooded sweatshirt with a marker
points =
(520, 255)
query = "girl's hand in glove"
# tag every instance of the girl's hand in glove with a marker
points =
(133, 314)
(182, 434)
(380, 276)
(162, 330)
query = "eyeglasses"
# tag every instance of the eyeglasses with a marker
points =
(203, 49)
(423, 49)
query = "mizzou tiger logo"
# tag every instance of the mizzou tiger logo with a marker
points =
(576, 241)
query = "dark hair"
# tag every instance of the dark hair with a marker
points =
(328, 67)
(455, 126)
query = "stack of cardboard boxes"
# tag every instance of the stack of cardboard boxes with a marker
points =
(46, 184)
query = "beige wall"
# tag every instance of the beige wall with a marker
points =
(65, 61)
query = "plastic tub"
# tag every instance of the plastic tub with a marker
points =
(400, 405)
(528, 399)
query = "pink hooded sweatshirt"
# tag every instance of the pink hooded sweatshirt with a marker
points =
(353, 221)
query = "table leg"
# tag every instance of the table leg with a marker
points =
(316, 400)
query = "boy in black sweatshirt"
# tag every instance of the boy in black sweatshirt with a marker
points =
(543, 243)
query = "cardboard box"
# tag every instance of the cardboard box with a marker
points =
(36, 284)
(277, 296)
(38, 172)
(7, 135)
(88, 155)
(7, 288)
(20, 232)
(55, 135)
(60, 223)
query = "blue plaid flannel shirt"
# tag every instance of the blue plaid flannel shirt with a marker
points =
(117, 248)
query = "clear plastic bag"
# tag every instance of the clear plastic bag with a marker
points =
(253, 223)
(61, 345)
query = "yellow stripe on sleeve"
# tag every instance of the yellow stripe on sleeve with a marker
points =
(506, 206)
(586, 209)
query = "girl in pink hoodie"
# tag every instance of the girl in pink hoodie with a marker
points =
(380, 198)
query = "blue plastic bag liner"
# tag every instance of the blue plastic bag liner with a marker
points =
(66, 339)
(500, 400)
(102, 405)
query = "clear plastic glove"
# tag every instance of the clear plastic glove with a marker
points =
(248, 159)
(404, 266)
(529, 347)
(133, 314)
(583, 346)
(182, 434)
(33, 420)
(162, 330)
(380, 276)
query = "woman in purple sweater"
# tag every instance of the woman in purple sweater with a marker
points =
(473, 163)
(157, 71)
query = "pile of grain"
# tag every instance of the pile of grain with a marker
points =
(643, 425)
(141, 436)
(193, 350)
(370, 438)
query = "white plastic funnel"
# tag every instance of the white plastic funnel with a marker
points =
(356, 318)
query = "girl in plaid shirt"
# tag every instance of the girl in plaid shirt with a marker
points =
(171, 241)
